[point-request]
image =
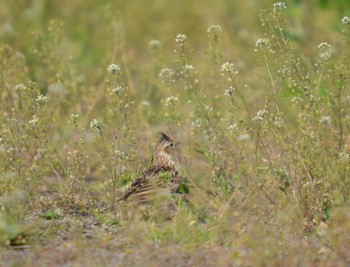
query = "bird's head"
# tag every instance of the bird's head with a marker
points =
(164, 148)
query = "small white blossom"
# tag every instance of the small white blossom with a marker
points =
(96, 125)
(325, 120)
(117, 90)
(166, 73)
(214, 29)
(229, 91)
(208, 109)
(232, 128)
(345, 20)
(154, 44)
(120, 154)
(189, 68)
(262, 42)
(228, 68)
(278, 6)
(41, 99)
(113, 68)
(197, 123)
(324, 45)
(20, 87)
(180, 39)
(34, 122)
(260, 115)
(171, 100)
(326, 50)
(74, 118)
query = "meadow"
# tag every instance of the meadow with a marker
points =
(257, 92)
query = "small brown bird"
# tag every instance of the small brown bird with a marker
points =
(162, 176)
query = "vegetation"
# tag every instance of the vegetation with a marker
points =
(261, 105)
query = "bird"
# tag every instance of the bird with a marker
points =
(162, 176)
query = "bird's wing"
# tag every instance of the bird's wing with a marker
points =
(148, 183)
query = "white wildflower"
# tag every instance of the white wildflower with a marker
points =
(345, 20)
(171, 100)
(180, 39)
(324, 45)
(189, 68)
(41, 99)
(326, 50)
(120, 154)
(278, 6)
(74, 118)
(20, 87)
(260, 115)
(197, 123)
(117, 90)
(232, 128)
(228, 68)
(166, 73)
(262, 42)
(208, 109)
(96, 125)
(214, 29)
(34, 122)
(229, 91)
(113, 68)
(325, 120)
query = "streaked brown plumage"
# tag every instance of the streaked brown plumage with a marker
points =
(163, 175)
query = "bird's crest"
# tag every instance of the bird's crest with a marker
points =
(163, 137)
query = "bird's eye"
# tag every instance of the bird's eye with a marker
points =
(171, 145)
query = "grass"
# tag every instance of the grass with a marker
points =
(258, 95)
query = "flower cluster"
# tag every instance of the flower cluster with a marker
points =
(117, 90)
(229, 91)
(166, 73)
(232, 128)
(326, 50)
(189, 68)
(214, 29)
(74, 118)
(120, 154)
(196, 123)
(41, 99)
(181, 39)
(228, 68)
(345, 20)
(96, 125)
(20, 87)
(261, 42)
(260, 115)
(278, 6)
(171, 100)
(34, 122)
(113, 69)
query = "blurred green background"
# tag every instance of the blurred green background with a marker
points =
(93, 31)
